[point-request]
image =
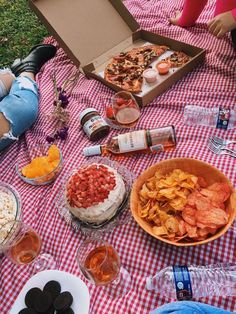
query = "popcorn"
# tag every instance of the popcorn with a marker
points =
(8, 208)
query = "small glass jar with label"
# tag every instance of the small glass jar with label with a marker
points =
(93, 124)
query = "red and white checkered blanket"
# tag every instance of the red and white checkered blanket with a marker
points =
(212, 84)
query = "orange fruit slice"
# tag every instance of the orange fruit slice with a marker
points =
(53, 153)
(43, 165)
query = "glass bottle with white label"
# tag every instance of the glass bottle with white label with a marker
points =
(141, 141)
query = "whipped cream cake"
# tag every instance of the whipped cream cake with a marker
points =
(94, 193)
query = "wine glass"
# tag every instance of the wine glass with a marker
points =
(100, 264)
(22, 245)
(124, 111)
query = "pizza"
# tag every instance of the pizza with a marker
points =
(177, 59)
(126, 69)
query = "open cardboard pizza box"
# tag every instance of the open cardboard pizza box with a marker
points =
(93, 31)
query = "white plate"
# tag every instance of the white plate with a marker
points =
(68, 282)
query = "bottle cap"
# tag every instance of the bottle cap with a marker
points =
(92, 150)
(86, 111)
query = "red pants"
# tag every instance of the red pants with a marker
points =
(193, 8)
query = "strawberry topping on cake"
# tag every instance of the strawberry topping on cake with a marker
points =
(95, 192)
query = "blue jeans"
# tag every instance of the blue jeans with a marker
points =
(188, 307)
(20, 108)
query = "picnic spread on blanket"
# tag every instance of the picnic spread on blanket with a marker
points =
(118, 179)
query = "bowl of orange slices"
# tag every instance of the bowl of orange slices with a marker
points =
(41, 166)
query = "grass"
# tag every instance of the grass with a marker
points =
(20, 29)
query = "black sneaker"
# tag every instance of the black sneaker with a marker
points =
(36, 58)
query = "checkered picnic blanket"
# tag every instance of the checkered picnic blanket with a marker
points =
(210, 85)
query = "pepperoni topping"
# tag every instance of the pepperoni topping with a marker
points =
(90, 186)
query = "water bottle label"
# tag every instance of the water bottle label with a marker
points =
(223, 119)
(182, 283)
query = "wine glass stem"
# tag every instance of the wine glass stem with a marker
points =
(43, 261)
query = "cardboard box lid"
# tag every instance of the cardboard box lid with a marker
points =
(88, 28)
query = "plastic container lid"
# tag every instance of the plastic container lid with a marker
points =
(86, 111)
(92, 150)
(150, 75)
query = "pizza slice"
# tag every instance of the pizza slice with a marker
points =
(177, 59)
(129, 82)
(145, 55)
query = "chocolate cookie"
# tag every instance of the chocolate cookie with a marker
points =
(51, 310)
(27, 311)
(53, 287)
(63, 301)
(43, 302)
(68, 311)
(31, 296)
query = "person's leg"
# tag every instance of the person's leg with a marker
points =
(4, 125)
(19, 109)
(6, 80)
(189, 15)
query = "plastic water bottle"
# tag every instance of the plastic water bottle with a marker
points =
(187, 282)
(220, 118)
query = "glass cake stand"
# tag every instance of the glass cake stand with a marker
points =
(122, 215)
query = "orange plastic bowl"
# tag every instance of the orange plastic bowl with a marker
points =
(195, 167)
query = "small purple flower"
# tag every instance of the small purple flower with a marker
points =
(50, 139)
(59, 88)
(64, 99)
(63, 133)
(55, 103)
(63, 96)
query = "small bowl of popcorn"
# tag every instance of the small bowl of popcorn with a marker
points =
(10, 208)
